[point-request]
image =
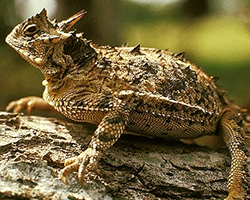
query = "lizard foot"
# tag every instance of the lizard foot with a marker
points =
(30, 103)
(85, 163)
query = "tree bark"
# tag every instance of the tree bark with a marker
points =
(33, 150)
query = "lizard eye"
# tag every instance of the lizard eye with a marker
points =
(31, 30)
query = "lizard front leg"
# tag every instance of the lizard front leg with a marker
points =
(106, 134)
(233, 135)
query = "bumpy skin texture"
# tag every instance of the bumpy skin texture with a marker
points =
(148, 91)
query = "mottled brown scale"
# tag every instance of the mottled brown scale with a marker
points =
(145, 90)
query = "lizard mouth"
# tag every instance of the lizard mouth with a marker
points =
(35, 61)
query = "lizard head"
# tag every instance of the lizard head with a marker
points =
(36, 38)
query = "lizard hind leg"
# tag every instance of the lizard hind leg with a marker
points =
(234, 136)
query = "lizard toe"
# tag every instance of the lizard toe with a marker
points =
(17, 106)
(87, 169)
(30, 103)
(67, 170)
(85, 163)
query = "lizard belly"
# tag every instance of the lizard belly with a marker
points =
(169, 128)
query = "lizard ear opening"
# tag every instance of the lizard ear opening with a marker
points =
(67, 24)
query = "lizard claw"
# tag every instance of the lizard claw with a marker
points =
(85, 163)
(30, 103)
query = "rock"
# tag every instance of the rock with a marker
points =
(33, 150)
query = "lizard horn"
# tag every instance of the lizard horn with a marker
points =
(67, 24)
(43, 12)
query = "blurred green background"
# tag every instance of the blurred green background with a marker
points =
(214, 34)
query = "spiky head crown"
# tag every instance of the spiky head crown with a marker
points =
(35, 38)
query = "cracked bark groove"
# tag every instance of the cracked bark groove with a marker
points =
(32, 151)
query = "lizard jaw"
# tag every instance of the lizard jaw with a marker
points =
(35, 61)
(30, 58)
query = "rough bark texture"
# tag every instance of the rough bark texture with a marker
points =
(33, 149)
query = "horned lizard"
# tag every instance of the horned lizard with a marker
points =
(144, 90)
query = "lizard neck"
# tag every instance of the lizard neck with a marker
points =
(73, 56)
(80, 51)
